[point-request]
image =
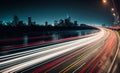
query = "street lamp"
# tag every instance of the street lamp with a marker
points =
(104, 1)
(114, 14)
(112, 9)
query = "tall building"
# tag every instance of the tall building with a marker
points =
(15, 20)
(1, 22)
(61, 22)
(46, 23)
(75, 23)
(29, 21)
(34, 23)
(68, 21)
(55, 23)
(21, 23)
(68, 18)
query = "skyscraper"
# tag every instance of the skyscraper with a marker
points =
(29, 21)
(46, 23)
(55, 23)
(21, 23)
(1, 22)
(68, 18)
(75, 23)
(61, 22)
(68, 21)
(15, 20)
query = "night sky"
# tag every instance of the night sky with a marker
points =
(84, 11)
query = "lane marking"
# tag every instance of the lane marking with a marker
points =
(79, 67)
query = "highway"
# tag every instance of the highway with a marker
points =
(87, 54)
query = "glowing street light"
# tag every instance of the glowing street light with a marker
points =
(112, 9)
(114, 14)
(104, 1)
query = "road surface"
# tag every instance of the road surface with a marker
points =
(88, 54)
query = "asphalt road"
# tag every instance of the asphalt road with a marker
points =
(90, 54)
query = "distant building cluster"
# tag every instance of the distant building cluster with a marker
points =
(59, 23)
(17, 22)
(65, 22)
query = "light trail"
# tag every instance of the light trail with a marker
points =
(15, 47)
(48, 54)
(75, 55)
(22, 38)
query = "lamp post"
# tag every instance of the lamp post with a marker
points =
(104, 1)
(115, 13)
(113, 10)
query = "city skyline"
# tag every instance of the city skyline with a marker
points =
(30, 22)
(59, 36)
(44, 10)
